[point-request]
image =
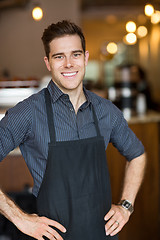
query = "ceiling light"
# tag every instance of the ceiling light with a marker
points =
(130, 39)
(142, 31)
(149, 10)
(37, 13)
(112, 48)
(130, 26)
(155, 18)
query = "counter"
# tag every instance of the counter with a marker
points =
(150, 116)
(145, 221)
(11, 96)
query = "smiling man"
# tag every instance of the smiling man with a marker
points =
(63, 132)
(67, 64)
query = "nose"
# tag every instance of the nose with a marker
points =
(68, 62)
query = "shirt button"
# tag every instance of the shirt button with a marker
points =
(66, 97)
(71, 109)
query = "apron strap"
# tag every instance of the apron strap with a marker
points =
(95, 121)
(50, 119)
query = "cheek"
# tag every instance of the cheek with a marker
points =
(55, 67)
(58, 66)
(81, 64)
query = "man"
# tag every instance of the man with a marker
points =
(63, 132)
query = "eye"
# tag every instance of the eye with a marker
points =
(76, 55)
(58, 57)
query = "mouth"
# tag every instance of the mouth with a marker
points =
(69, 74)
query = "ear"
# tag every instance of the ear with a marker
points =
(86, 57)
(47, 63)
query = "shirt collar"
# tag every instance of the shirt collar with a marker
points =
(88, 97)
(56, 93)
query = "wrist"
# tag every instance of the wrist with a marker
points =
(126, 204)
(16, 214)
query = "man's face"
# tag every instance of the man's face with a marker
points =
(67, 62)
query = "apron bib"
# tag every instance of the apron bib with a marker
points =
(75, 190)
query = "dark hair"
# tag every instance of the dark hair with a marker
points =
(60, 29)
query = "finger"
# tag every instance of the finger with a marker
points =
(117, 230)
(54, 233)
(109, 224)
(48, 235)
(54, 224)
(109, 214)
(114, 227)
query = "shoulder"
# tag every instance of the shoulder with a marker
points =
(35, 98)
(26, 107)
(104, 106)
(97, 100)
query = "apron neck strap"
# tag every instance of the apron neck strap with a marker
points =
(95, 121)
(50, 119)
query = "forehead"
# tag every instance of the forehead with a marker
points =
(66, 43)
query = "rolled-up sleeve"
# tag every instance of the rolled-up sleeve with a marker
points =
(15, 127)
(123, 138)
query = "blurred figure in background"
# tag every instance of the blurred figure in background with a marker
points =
(131, 91)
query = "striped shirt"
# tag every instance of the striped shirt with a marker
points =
(25, 125)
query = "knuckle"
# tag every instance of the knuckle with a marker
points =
(122, 224)
(42, 226)
(109, 224)
(43, 219)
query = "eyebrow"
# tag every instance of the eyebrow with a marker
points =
(61, 53)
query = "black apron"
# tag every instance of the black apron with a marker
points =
(75, 190)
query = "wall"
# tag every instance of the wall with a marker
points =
(21, 50)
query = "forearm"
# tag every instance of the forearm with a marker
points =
(9, 209)
(134, 174)
(30, 224)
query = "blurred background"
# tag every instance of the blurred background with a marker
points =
(123, 38)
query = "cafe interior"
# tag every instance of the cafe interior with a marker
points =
(123, 40)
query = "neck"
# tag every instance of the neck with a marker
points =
(77, 99)
(76, 96)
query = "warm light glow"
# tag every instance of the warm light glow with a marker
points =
(142, 19)
(130, 26)
(130, 39)
(111, 19)
(112, 48)
(37, 13)
(143, 50)
(154, 42)
(142, 31)
(149, 10)
(155, 18)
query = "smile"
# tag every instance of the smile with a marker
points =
(69, 74)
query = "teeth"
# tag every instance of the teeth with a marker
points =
(69, 74)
